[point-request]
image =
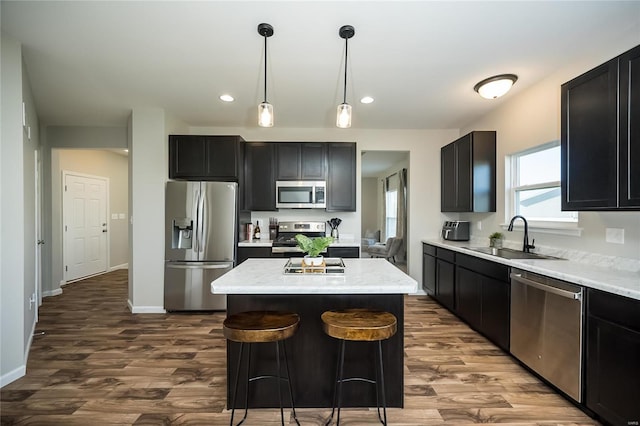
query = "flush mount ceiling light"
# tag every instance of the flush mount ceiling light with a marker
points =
(265, 109)
(343, 120)
(496, 86)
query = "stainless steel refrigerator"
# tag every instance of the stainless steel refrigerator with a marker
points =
(200, 241)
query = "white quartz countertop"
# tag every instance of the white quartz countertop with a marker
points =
(268, 243)
(624, 283)
(361, 276)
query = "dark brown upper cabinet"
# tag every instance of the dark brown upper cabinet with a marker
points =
(468, 173)
(600, 137)
(301, 161)
(259, 177)
(341, 177)
(198, 157)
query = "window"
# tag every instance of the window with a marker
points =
(391, 205)
(535, 186)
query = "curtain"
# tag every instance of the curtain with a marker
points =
(401, 223)
(383, 236)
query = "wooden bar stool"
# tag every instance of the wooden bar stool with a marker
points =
(359, 325)
(261, 327)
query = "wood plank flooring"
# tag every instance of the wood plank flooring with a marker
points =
(98, 364)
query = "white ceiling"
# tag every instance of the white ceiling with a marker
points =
(91, 62)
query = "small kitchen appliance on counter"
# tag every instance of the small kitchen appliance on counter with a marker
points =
(286, 243)
(455, 230)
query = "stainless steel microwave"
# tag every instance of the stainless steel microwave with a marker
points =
(301, 194)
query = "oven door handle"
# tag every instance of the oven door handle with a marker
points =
(544, 287)
(285, 250)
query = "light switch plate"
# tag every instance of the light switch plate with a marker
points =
(479, 225)
(615, 235)
(122, 216)
(114, 216)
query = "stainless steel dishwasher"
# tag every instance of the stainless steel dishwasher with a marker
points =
(546, 329)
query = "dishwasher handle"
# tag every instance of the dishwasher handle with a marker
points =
(548, 288)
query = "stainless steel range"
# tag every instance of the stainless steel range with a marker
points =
(286, 243)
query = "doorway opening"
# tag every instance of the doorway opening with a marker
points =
(384, 205)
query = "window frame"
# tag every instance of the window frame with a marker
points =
(561, 226)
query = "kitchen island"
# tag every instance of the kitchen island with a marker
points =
(261, 284)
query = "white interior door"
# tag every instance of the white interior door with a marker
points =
(85, 226)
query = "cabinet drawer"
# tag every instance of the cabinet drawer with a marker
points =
(444, 254)
(428, 249)
(621, 310)
(484, 267)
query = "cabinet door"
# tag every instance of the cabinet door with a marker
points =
(341, 177)
(589, 127)
(468, 297)
(448, 178)
(445, 273)
(245, 253)
(613, 372)
(429, 269)
(187, 156)
(221, 153)
(496, 305)
(260, 184)
(313, 161)
(630, 129)
(464, 175)
(288, 160)
(344, 252)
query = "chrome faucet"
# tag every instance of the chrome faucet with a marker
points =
(526, 247)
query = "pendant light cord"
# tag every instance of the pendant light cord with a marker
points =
(265, 68)
(346, 58)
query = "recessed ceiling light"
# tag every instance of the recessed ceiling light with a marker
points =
(226, 98)
(366, 100)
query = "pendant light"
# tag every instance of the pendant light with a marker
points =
(343, 119)
(265, 109)
(496, 86)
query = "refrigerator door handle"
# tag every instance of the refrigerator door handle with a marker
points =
(199, 266)
(199, 216)
(196, 242)
(202, 225)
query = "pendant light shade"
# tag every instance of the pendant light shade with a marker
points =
(343, 119)
(265, 109)
(496, 86)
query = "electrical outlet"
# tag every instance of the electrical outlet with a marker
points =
(615, 235)
(479, 225)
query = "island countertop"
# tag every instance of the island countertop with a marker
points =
(361, 276)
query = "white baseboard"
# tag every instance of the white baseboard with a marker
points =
(13, 375)
(145, 309)
(55, 292)
(117, 267)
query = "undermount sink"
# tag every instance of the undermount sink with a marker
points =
(511, 254)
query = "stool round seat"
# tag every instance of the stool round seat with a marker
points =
(359, 324)
(260, 326)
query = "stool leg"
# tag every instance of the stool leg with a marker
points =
(341, 380)
(235, 385)
(278, 378)
(335, 388)
(246, 389)
(384, 400)
(286, 363)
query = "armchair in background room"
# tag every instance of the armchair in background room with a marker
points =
(387, 250)
(370, 238)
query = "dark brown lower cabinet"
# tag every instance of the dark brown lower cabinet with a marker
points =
(344, 252)
(612, 362)
(445, 277)
(483, 297)
(245, 253)
(429, 269)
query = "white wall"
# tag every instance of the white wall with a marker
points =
(17, 214)
(148, 174)
(369, 205)
(533, 118)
